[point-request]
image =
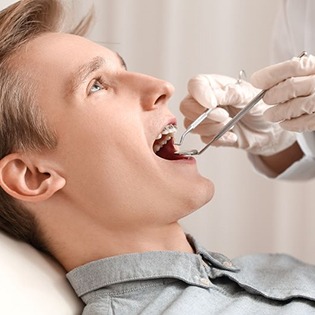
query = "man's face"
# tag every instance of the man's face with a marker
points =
(107, 120)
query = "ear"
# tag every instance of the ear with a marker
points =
(23, 180)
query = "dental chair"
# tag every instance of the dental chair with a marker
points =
(32, 283)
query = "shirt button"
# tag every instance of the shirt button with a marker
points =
(205, 264)
(204, 281)
(227, 264)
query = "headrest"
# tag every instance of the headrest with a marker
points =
(32, 283)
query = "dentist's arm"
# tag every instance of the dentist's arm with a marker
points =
(281, 161)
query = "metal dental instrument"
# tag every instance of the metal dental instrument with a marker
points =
(229, 125)
(194, 124)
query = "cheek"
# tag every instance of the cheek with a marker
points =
(104, 157)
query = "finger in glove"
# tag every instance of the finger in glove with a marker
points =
(229, 139)
(290, 89)
(304, 123)
(291, 109)
(192, 110)
(208, 127)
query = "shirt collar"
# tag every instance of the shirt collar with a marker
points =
(149, 265)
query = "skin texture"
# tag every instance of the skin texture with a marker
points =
(279, 162)
(102, 191)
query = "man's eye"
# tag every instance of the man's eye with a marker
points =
(96, 86)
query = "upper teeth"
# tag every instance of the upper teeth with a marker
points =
(167, 130)
(167, 134)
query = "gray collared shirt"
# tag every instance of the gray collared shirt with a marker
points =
(201, 283)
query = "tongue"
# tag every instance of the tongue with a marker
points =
(167, 152)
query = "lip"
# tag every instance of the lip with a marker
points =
(187, 160)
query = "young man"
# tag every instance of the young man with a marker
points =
(88, 159)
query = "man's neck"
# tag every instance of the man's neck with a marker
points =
(94, 243)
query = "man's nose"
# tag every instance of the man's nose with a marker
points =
(153, 92)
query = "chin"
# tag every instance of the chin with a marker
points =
(205, 193)
(198, 196)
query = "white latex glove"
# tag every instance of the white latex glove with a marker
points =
(253, 133)
(292, 89)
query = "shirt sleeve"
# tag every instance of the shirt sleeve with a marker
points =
(303, 169)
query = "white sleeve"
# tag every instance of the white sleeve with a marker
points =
(303, 169)
(293, 30)
(281, 46)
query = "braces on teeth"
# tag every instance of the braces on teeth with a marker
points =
(169, 129)
(166, 135)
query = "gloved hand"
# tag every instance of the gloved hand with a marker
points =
(253, 133)
(292, 89)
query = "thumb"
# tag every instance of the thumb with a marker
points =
(235, 94)
(200, 88)
(211, 90)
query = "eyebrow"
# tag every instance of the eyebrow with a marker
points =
(122, 61)
(85, 70)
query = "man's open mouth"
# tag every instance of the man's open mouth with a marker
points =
(164, 147)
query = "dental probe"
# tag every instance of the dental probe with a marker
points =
(194, 124)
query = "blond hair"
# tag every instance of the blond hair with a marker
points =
(22, 127)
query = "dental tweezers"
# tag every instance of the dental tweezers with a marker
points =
(227, 127)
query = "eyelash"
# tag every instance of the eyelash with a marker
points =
(99, 82)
